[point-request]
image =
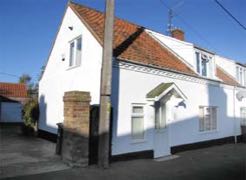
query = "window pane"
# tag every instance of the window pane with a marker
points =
(241, 76)
(201, 119)
(214, 118)
(137, 128)
(71, 58)
(204, 67)
(207, 122)
(78, 51)
(137, 109)
(197, 62)
(237, 72)
(244, 77)
(208, 118)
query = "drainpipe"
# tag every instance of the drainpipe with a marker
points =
(234, 114)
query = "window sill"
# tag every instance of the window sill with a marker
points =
(72, 67)
(137, 141)
(208, 132)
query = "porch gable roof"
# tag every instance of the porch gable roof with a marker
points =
(162, 89)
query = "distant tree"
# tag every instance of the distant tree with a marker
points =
(25, 78)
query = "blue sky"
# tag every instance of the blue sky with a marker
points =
(28, 28)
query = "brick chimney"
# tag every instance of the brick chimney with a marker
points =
(178, 34)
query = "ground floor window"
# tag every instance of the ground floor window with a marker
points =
(137, 121)
(207, 118)
(243, 116)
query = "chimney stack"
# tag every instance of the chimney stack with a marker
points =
(178, 34)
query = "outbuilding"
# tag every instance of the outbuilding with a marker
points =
(12, 98)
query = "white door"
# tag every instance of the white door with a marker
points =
(243, 116)
(11, 112)
(161, 139)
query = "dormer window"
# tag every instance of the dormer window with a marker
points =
(204, 64)
(241, 75)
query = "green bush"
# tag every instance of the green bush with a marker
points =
(31, 113)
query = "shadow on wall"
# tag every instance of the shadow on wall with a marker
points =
(182, 132)
(186, 131)
(43, 122)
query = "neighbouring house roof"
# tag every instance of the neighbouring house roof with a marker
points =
(241, 64)
(225, 77)
(131, 41)
(13, 90)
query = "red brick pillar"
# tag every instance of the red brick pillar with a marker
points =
(75, 145)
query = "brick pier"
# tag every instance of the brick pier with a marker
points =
(75, 145)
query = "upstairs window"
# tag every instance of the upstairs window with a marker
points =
(75, 52)
(204, 64)
(241, 75)
(137, 121)
(207, 118)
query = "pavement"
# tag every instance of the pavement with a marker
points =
(21, 155)
(224, 162)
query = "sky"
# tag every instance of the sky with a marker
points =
(28, 28)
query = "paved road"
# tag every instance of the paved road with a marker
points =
(225, 162)
(21, 155)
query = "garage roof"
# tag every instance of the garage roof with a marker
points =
(13, 90)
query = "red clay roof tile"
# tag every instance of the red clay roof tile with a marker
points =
(226, 78)
(13, 90)
(131, 42)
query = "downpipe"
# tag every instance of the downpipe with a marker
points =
(234, 115)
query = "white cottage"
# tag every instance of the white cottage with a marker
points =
(166, 93)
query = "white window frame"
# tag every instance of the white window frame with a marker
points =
(203, 121)
(137, 115)
(243, 116)
(244, 76)
(241, 75)
(209, 65)
(76, 61)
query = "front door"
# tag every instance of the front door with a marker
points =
(161, 140)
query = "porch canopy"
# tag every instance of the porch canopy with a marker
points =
(164, 89)
(241, 94)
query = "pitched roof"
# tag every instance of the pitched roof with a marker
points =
(225, 77)
(131, 41)
(158, 90)
(13, 90)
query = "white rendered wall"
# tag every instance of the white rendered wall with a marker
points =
(59, 78)
(228, 65)
(183, 49)
(184, 129)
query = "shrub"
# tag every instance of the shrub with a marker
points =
(30, 116)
